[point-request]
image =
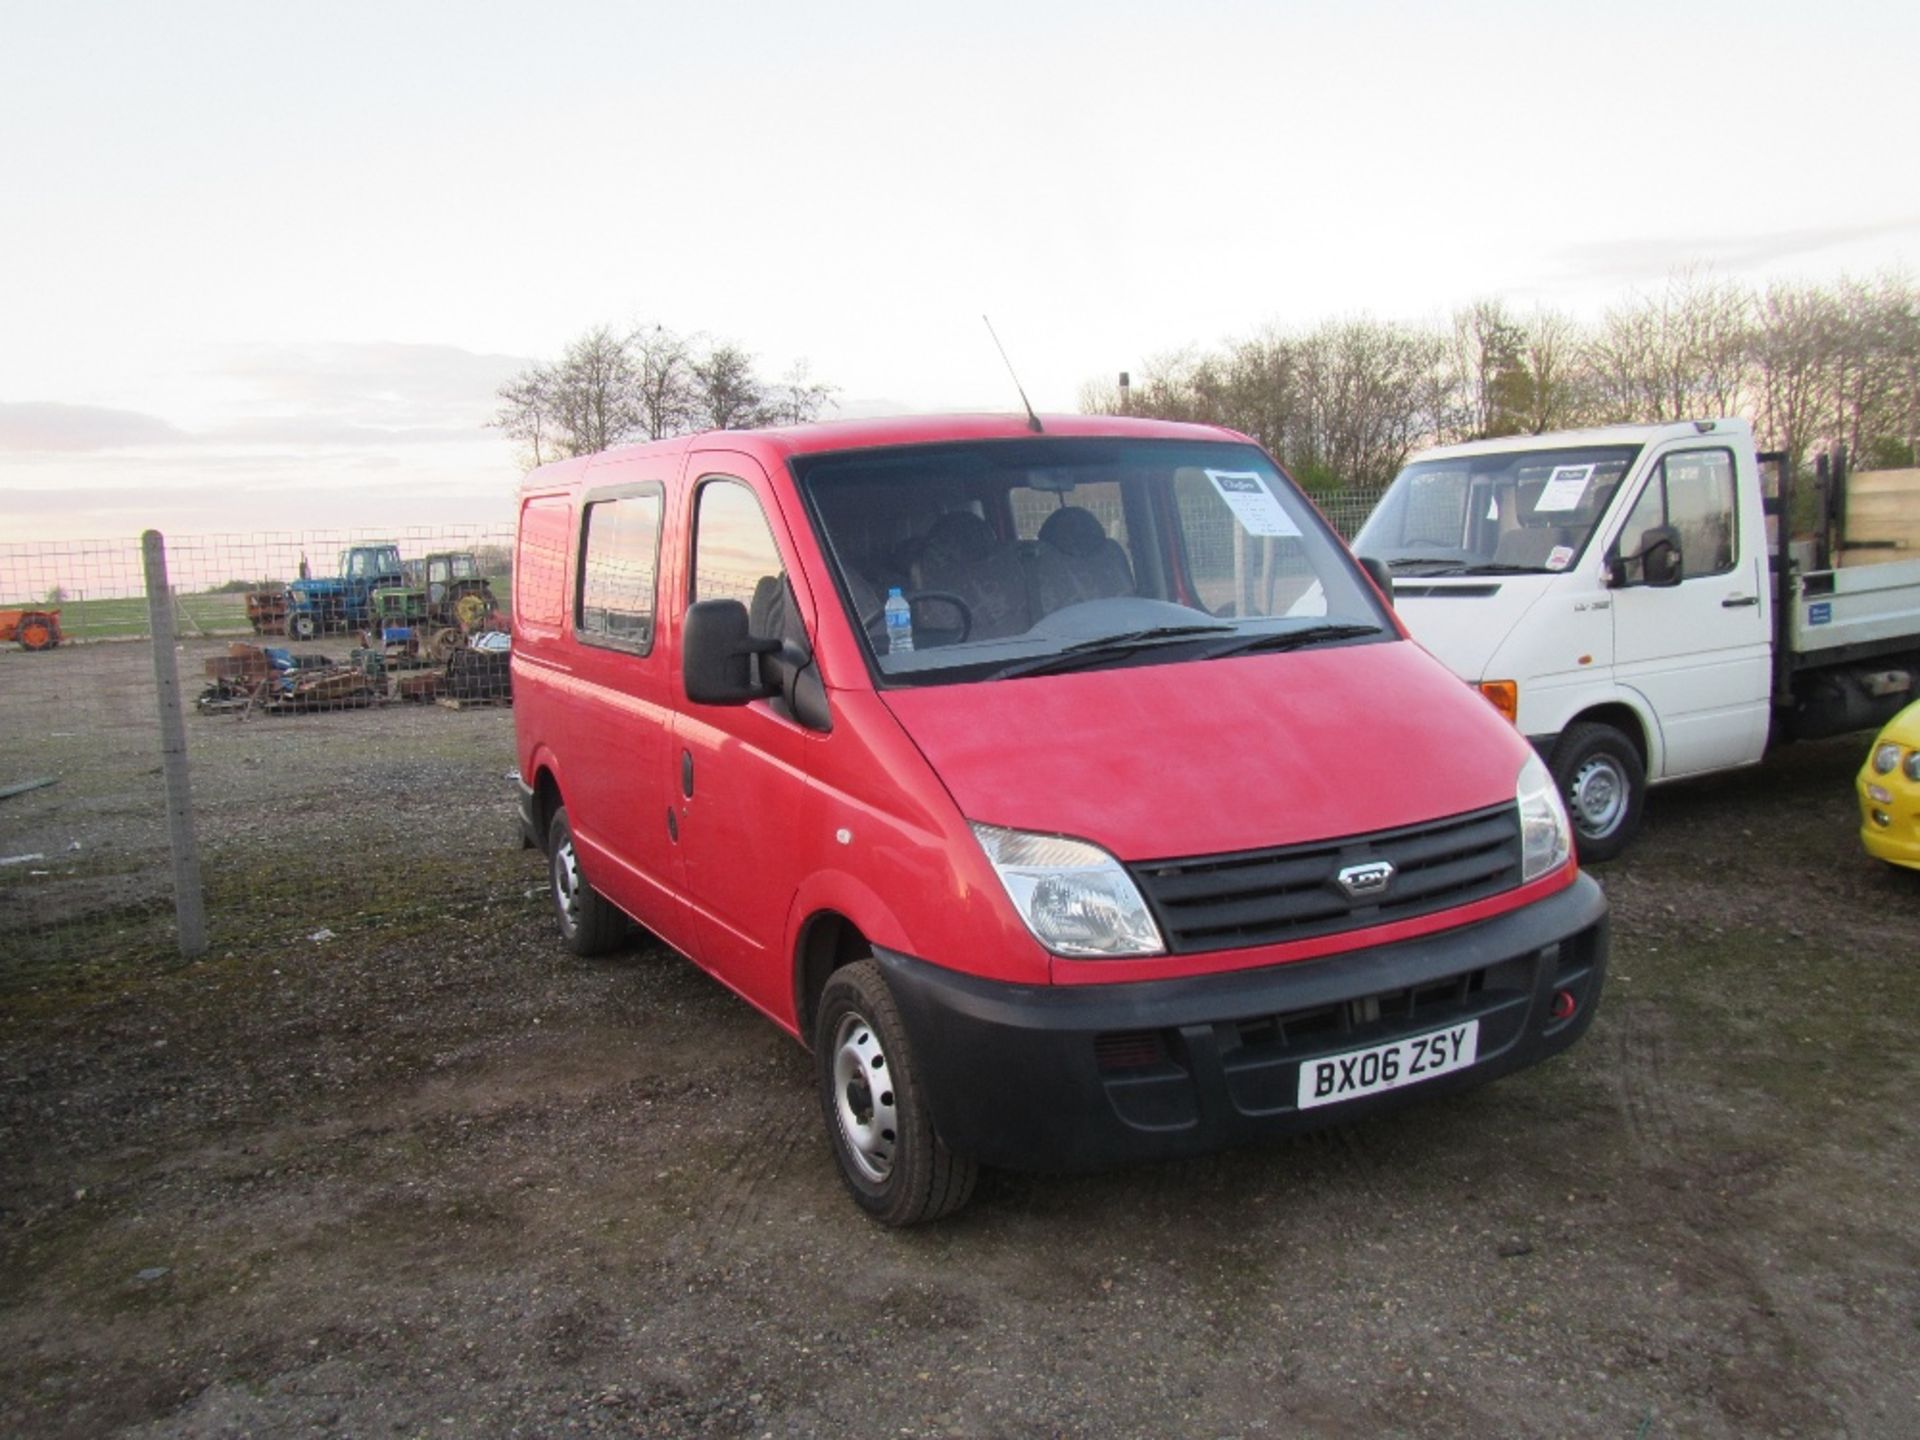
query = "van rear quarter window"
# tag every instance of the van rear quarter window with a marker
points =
(540, 569)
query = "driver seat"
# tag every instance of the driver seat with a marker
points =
(965, 558)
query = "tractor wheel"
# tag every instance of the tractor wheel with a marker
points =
(37, 632)
(442, 644)
(471, 611)
(303, 626)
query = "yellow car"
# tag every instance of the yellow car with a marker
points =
(1889, 788)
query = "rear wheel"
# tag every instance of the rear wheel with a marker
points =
(1604, 783)
(589, 925)
(898, 1170)
(36, 632)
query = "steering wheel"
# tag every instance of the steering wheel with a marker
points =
(934, 597)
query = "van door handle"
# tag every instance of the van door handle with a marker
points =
(1734, 602)
(686, 773)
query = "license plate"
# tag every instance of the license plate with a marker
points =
(1353, 1073)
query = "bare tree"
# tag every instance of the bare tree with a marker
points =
(728, 396)
(667, 398)
(526, 413)
(798, 398)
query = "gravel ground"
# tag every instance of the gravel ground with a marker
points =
(432, 1177)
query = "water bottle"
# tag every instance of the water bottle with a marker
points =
(899, 623)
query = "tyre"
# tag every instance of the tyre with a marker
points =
(896, 1167)
(589, 925)
(1604, 784)
(303, 626)
(36, 632)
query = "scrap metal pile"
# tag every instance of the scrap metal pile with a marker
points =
(277, 680)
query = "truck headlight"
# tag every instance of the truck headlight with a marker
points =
(1885, 757)
(1546, 836)
(1074, 897)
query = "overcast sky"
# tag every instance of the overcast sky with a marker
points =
(263, 266)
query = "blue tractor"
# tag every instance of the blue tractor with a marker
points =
(345, 600)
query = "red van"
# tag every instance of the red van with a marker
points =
(1066, 786)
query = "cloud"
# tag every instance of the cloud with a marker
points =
(50, 426)
(1649, 258)
(379, 384)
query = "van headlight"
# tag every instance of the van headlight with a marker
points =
(1546, 837)
(1074, 897)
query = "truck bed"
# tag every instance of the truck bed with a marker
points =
(1861, 610)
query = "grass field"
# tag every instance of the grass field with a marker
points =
(125, 617)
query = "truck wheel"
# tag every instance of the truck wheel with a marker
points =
(302, 626)
(897, 1168)
(1604, 784)
(589, 925)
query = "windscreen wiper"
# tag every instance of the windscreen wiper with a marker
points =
(1105, 649)
(1295, 639)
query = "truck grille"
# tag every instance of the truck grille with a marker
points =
(1261, 897)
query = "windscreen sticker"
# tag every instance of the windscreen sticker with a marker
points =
(1564, 488)
(1252, 503)
(1559, 557)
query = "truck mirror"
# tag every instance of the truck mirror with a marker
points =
(1378, 572)
(1660, 557)
(716, 654)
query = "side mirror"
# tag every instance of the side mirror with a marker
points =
(1660, 557)
(716, 654)
(1378, 572)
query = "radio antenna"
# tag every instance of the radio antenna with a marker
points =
(1033, 420)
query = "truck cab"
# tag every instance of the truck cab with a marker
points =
(1614, 592)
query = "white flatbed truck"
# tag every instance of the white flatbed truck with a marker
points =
(1618, 594)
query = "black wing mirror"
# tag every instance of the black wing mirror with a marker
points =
(1659, 560)
(716, 654)
(1379, 573)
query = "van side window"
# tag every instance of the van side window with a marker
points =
(539, 570)
(1691, 490)
(734, 557)
(619, 563)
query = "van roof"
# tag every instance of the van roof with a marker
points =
(898, 430)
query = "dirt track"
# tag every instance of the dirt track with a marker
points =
(432, 1177)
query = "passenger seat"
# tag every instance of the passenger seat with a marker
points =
(1077, 560)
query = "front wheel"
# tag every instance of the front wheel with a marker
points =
(898, 1170)
(1604, 783)
(304, 626)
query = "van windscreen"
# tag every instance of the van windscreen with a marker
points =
(1023, 556)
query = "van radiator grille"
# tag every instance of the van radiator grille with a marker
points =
(1261, 897)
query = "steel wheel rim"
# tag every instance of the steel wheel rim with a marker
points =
(863, 1098)
(566, 885)
(1597, 796)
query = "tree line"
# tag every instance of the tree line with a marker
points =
(1344, 404)
(609, 388)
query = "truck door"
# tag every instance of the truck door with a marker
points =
(742, 793)
(620, 706)
(1699, 651)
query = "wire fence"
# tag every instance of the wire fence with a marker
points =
(328, 684)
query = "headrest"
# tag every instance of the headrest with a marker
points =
(961, 535)
(1074, 531)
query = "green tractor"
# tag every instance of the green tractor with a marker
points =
(441, 601)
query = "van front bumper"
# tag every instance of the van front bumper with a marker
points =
(1074, 1077)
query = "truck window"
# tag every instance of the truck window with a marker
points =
(1692, 491)
(619, 564)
